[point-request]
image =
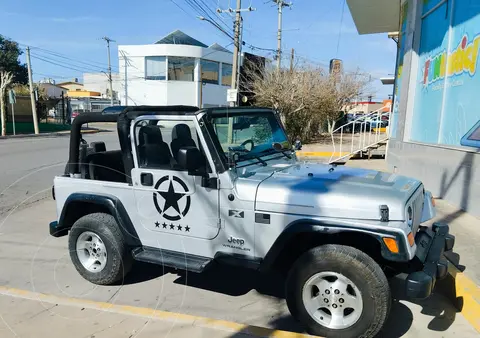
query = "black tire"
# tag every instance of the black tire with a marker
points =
(359, 268)
(119, 259)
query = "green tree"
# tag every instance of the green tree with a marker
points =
(9, 60)
(12, 71)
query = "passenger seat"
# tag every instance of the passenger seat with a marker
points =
(181, 137)
(153, 152)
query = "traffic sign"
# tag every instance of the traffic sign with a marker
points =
(12, 98)
(232, 95)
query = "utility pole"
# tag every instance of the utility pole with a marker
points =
(280, 4)
(292, 60)
(127, 63)
(237, 40)
(239, 62)
(32, 93)
(108, 40)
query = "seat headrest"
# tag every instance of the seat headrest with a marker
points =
(181, 130)
(98, 146)
(150, 135)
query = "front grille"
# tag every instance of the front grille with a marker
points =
(417, 206)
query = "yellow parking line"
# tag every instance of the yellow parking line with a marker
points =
(152, 313)
(469, 292)
(320, 153)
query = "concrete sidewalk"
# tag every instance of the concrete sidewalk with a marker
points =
(32, 314)
(462, 287)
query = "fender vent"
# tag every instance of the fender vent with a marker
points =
(384, 213)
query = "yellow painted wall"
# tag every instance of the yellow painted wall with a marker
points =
(82, 93)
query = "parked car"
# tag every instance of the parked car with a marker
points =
(113, 110)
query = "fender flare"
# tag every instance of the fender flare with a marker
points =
(111, 203)
(318, 227)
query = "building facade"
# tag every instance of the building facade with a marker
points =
(71, 85)
(176, 70)
(98, 82)
(435, 113)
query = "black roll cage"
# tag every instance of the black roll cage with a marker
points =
(129, 114)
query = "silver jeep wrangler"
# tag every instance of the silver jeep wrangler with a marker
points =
(191, 186)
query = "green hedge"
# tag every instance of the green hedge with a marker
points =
(27, 127)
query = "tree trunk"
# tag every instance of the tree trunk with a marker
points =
(4, 114)
(331, 125)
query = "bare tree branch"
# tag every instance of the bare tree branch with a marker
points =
(6, 79)
(307, 97)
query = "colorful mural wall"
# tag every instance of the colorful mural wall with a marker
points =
(448, 84)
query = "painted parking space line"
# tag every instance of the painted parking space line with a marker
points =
(320, 153)
(255, 331)
(469, 295)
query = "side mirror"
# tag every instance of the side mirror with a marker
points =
(191, 159)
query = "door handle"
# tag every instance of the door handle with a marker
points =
(146, 179)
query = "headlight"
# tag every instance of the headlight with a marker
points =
(410, 216)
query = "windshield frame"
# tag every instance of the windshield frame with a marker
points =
(206, 121)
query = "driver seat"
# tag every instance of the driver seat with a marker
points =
(181, 137)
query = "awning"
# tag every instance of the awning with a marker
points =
(387, 80)
(375, 16)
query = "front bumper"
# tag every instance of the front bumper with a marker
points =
(431, 244)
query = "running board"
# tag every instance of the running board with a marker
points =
(171, 259)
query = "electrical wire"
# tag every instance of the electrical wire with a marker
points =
(340, 28)
(62, 56)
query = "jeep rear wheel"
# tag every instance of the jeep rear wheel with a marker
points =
(98, 250)
(338, 291)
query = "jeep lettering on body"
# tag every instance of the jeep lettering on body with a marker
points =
(191, 186)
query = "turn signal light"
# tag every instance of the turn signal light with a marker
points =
(411, 239)
(391, 244)
(433, 200)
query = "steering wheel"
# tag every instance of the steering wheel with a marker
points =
(244, 143)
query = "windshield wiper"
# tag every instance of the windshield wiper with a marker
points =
(264, 163)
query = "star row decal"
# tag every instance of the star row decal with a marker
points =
(172, 226)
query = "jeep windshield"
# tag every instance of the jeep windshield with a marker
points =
(250, 136)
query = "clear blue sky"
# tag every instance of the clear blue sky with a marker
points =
(74, 29)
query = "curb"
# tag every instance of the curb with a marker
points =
(54, 134)
(211, 323)
(320, 153)
(464, 294)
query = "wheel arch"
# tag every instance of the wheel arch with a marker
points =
(302, 235)
(78, 205)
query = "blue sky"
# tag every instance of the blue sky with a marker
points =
(74, 29)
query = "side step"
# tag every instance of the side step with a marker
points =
(171, 259)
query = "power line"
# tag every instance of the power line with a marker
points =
(340, 28)
(57, 64)
(90, 64)
(86, 69)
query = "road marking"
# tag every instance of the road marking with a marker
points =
(466, 289)
(320, 153)
(224, 325)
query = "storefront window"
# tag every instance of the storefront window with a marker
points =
(181, 68)
(226, 74)
(209, 71)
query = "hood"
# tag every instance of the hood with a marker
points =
(341, 192)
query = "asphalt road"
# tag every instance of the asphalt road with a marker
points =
(28, 166)
(30, 259)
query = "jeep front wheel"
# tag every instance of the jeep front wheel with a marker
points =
(338, 291)
(98, 250)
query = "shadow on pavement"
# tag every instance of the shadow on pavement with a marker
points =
(235, 281)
